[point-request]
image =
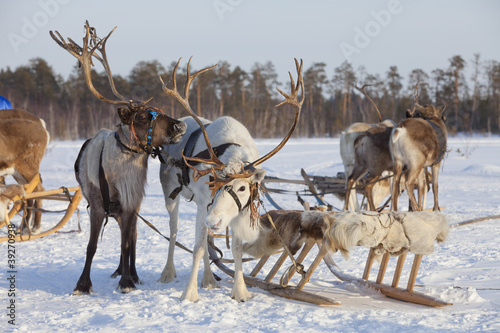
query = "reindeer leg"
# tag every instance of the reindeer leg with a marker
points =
(191, 291)
(369, 193)
(84, 284)
(348, 189)
(355, 176)
(128, 225)
(421, 182)
(38, 204)
(208, 281)
(435, 174)
(240, 292)
(398, 171)
(172, 206)
(133, 270)
(411, 178)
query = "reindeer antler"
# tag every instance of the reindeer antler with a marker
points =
(363, 91)
(411, 113)
(84, 54)
(292, 100)
(215, 164)
(185, 103)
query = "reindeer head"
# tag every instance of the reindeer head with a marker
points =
(149, 128)
(429, 112)
(425, 112)
(235, 188)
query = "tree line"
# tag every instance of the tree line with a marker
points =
(332, 103)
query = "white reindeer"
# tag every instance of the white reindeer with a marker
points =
(229, 196)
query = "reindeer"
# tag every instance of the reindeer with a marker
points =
(23, 140)
(233, 173)
(378, 189)
(111, 167)
(372, 157)
(417, 143)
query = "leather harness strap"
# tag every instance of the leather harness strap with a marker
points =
(188, 152)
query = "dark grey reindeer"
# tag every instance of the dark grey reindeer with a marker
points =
(111, 167)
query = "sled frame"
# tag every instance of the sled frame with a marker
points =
(61, 194)
(297, 293)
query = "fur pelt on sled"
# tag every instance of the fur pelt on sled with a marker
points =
(294, 227)
(394, 232)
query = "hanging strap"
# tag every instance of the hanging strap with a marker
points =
(188, 152)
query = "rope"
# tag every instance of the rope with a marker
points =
(149, 224)
(299, 268)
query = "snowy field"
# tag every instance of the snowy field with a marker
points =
(465, 270)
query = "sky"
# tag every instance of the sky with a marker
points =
(374, 34)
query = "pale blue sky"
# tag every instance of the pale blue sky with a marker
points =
(376, 34)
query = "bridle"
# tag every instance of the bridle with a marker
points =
(252, 203)
(148, 148)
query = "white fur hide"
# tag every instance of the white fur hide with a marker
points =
(394, 232)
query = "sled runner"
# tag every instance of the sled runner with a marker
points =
(19, 194)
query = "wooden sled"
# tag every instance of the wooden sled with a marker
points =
(61, 194)
(297, 293)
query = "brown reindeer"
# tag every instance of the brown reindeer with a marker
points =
(23, 139)
(112, 166)
(372, 156)
(417, 143)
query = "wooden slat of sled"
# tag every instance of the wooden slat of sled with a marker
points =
(28, 188)
(275, 289)
(407, 295)
(75, 200)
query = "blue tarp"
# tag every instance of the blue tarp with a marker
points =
(4, 103)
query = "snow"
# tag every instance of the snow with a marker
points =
(464, 270)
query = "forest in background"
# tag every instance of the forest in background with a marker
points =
(332, 103)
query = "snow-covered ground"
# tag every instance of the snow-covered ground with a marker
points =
(465, 270)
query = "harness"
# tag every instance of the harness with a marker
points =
(441, 141)
(253, 195)
(108, 205)
(148, 148)
(183, 178)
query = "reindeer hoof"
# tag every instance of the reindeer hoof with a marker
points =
(209, 282)
(126, 285)
(166, 278)
(78, 292)
(190, 296)
(242, 298)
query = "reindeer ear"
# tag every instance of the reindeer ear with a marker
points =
(258, 176)
(441, 110)
(125, 115)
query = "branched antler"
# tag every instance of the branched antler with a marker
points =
(411, 113)
(291, 99)
(363, 91)
(84, 54)
(216, 166)
(214, 161)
